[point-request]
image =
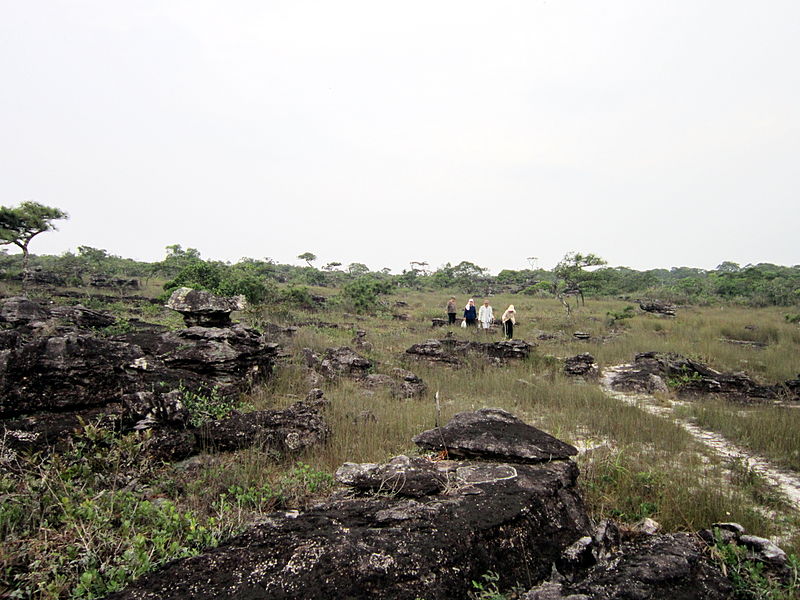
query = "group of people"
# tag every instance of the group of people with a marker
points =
(484, 316)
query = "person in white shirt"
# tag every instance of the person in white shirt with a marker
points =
(485, 316)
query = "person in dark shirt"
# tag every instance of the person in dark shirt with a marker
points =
(470, 313)
(451, 310)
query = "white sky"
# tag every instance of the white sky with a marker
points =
(653, 133)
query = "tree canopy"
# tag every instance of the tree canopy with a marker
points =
(20, 225)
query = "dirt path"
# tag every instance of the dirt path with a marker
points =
(788, 483)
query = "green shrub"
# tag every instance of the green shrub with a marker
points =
(205, 407)
(364, 292)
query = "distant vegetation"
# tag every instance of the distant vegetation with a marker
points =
(580, 275)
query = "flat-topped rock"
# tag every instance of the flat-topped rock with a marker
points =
(199, 307)
(494, 434)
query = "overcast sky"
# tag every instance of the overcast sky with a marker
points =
(653, 133)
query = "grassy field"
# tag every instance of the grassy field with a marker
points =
(633, 464)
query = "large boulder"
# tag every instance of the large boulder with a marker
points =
(199, 307)
(407, 529)
(492, 433)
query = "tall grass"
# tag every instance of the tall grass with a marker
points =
(772, 431)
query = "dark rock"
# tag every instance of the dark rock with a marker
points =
(436, 322)
(360, 341)
(324, 325)
(338, 362)
(582, 335)
(628, 378)
(790, 387)
(674, 566)
(402, 476)
(19, 310)
(450, 350)
(64, 372)
(514, 520)
(401, 383)
(83, 317)
(57, 375)
(295, 428)
(143, 410)
(52, 430)
(401, 316)
(581, 365)
(763, 550)
(272, 330)
(657, 307)
(203, 308)
(700, 379)
(226, 358)
(104, 281)
(491, 433)
(401, 303)
(433, 351)
(749, 343)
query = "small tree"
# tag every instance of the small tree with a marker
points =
(309, 257)
(569, 273)
(20, 225)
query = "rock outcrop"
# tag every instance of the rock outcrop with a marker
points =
(673, 566)
(410, 528)
(652, 371)
(581, 365)
(452, 351)
(56, 370)
(345, 362)
(338, 362)
(203, 308)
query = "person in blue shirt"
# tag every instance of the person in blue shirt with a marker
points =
(470, 313)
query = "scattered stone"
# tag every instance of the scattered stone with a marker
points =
(581, 335)
(199, 307)
(494, 434)
(647, 526)
(437, 322)
(365, 416)
(104, 281)
(657, 307)
(338, 362)
(451, 350)
(581, 365)
(83, 317)
(401, 383)
(272, 330)
(750, 343)
(764, 550)
(401, 316)
(360, 341)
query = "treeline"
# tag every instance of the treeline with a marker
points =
(262, 280)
